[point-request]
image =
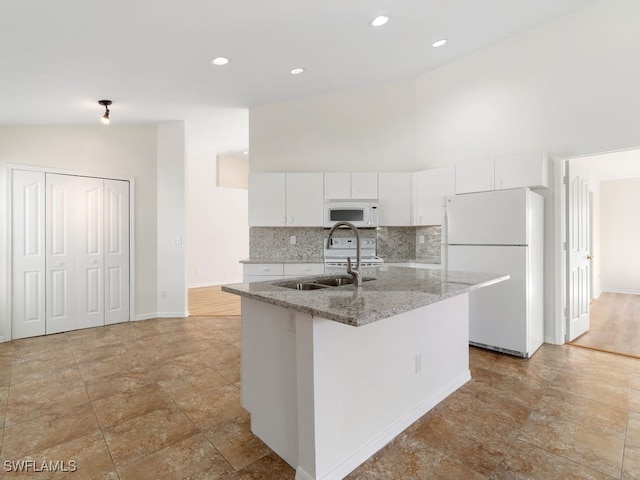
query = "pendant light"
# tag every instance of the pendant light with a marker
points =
(105, 117)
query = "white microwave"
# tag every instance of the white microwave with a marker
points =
(361, 213)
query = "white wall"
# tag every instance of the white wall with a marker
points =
(567, 87)
(218, 232)
(369, 129)
(596, 229)
(620, 231)
(171, 198)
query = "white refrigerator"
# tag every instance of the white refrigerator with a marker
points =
(500, 232)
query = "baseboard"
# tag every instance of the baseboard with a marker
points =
(359, 457)
(3, 339)
(145, 316)
(628, 292)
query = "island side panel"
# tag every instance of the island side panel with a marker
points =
(370, 383)
(269, 376)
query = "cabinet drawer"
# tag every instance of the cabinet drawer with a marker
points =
(302, 269)
(263, 269)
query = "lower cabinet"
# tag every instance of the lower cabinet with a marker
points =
(262, 272)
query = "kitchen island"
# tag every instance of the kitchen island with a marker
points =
(332, 375)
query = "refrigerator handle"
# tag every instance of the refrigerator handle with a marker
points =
(444, 248)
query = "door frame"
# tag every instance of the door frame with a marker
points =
(10, 167)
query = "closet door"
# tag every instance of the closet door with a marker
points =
(116, 214)
(28, 265)
(89, 228)
(61, 253)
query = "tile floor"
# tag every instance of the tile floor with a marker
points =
(160, 399)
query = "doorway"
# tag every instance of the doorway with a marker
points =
(615, 294)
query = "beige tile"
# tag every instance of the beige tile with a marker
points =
(592, 388)
(234, 440)
(634, 401)
(84, 354)
(53, 401)
(177, 367)
(124, 406)
(578, 442)
(45, 432)
(219, 354)
(146, 434)
(270, 466)
(115, 383)
(107, 366)
(230, 371)
(187, 386)
(38, 381)
(524, 461)
(631, 460)
(213, 407)
(44, 364)
(191, 458)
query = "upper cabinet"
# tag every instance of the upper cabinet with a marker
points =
(512, 171)
(394, 198)
(429, 189)
(357, 185)
(285, 199)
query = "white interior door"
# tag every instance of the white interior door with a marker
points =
(116, 213)
(28, 258)
(89, 233)
(61, 248)
(578, 251)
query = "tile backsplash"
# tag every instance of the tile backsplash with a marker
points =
(273, 243)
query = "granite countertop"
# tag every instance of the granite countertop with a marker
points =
(394, 290)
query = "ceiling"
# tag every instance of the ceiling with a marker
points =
(152, 58)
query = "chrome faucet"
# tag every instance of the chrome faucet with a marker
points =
(354, 272)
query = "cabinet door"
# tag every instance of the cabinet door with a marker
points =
(522, 170)
(475, 176)
(394, 197)
(337, 186)
(364, 185)
(430, 187)
(305, 199)
(267, 200)
(28, 257)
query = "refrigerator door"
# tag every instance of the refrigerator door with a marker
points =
(488, 218)
(497, 314)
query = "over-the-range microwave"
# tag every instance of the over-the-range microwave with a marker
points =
(361, 213)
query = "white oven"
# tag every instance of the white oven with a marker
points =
(341, 248)
(361, 213)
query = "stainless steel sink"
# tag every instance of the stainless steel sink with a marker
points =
(322, 283)
(303, 286)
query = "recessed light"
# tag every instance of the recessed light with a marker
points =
(439, 43)
(219, 61)
(245, 153)
(297, 71)
(379, 21)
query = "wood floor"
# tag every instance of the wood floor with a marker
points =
(615, 325)
(212, 302)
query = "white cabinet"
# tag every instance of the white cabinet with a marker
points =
(501, 173)
(303, 269)
(285, 199)
(429, 189)
(522, 170)
(267, 199)
(261, 272)
(475, 176)
(305, 204)
(394, 198)
(355, 185)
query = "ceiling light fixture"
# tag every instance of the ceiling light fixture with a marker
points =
(220, 61)
(379, 21)
(439, 43)
(105, 117)
(297, 71)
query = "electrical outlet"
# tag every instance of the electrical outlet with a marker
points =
(292, 323)
(292, 239)
(421, 238)
(163, 294)
(418, 363)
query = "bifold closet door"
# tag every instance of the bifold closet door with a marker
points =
(116, 213)
(28, 258)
